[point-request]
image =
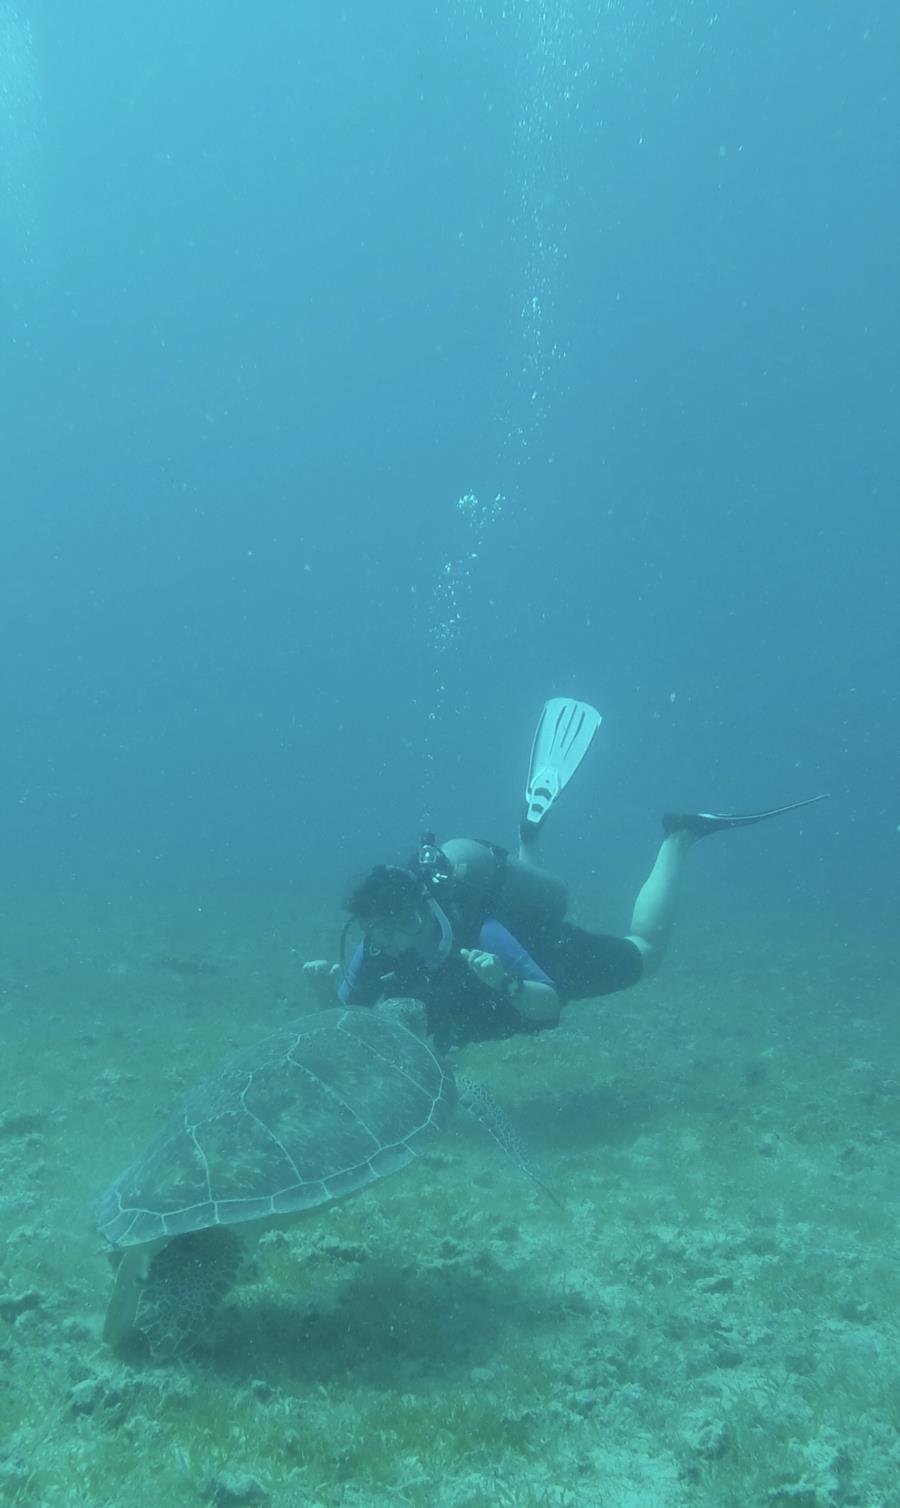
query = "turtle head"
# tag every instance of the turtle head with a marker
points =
(407, 1012)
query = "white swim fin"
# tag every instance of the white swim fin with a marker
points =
(564, 734)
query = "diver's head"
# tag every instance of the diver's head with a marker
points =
(391, 906)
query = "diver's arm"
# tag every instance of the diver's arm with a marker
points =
(330, 985)
(536, 1001)
(323, 979)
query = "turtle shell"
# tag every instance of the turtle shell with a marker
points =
(315, 1111)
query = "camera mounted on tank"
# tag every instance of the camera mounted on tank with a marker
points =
(431, 864)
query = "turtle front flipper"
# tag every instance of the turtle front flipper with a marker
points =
(169, 1303)
(475, 1101)
(131, 1264)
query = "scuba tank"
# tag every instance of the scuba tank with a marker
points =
(484, 880)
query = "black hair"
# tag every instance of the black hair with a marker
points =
(387, 890)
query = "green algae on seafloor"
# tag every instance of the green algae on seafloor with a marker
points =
(710, 1322)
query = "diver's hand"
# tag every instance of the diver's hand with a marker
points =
(322, 978)
(485, 966)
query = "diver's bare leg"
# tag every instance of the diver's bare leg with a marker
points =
(654, 910)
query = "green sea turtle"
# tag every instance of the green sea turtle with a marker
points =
(315, 1111)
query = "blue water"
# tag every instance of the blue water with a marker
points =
(282, 284)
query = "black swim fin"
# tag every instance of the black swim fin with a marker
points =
(701, 824)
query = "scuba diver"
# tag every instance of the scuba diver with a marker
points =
(480, 935)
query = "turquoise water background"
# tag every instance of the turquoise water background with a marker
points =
(369, 374)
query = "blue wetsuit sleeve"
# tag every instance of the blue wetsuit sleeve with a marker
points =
(494, 938)
(361, 984)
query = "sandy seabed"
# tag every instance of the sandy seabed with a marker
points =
(711, 1321)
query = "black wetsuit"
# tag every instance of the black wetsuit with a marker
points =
(585, 964)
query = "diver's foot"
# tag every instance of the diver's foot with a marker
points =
(529, 831)
(529, 841)
(701, 824)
